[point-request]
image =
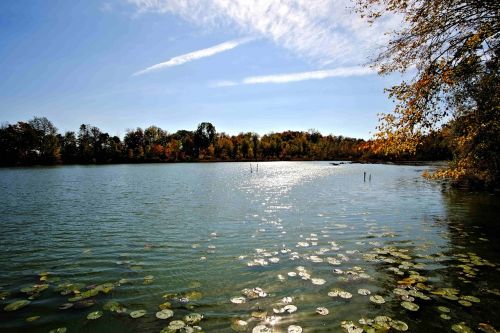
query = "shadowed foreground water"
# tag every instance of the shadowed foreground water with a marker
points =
(197, 235)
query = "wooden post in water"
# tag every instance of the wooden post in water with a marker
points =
(370, 178)
(251, 168)
(364, 176)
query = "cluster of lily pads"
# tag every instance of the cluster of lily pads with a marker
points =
(81, 296)
(412, 290)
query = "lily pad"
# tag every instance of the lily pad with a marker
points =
(444, 316)
(294, 329)
(65, 306)
(112, 306)
(165, 305)
(259, 314)
(410, 306)
(364, 292)
(464, 303)
(94, 315)
(193, 318)
(345, 294)
(137, 313)
(461, 328)
(322, 311)
(16, 305)
(290, 308)
(443, 309)
(261, 329)
(377, 299)
(59, 330)
(194, 295)
(176, 324)
(164, 314)
(32, 318)
(398, 325)
(239, 325)
(318, 281)
(238, 300)
(472, 299)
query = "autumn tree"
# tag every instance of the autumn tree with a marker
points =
(452, 47)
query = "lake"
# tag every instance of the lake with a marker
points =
(241, 247)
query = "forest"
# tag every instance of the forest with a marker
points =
(37, 142)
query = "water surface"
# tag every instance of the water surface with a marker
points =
(205, 232)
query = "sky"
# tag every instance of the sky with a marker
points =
(243, 65)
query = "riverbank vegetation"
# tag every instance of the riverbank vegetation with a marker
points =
(37, 141)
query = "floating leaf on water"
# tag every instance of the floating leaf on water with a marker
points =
(259, 314)
(377, 299)
(471, 299)
(364, 292)
(170, 296)
(410, 306)
(65, 306)
(33, 318)
(318, 281)
(193, 318)
(398, 325)
(194, 295)
(59, 330)
(290, 308)
(176, 324)
(261, 329)
(239, 325)
(461, 328)
(272, 320)
(16, 305)
(382, 319)
(94, 315)
(287, 300)
(294, 329)
(464, 303)
(443, 309)
(137, 313)
(86, 303)
(350, 327)
(111, 306)
(292, 274)
(194, 284)
(322, 311)
(445, 316)
(123, 281)
(345, 294)
(148, 279)
(164, 314)
(334, 292)
(165, 305)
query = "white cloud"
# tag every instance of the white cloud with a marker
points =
(322, 31)
(302, 76)
(203, 53)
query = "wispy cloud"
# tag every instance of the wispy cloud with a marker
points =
(203, 53)
(321, 31)
(301, 76)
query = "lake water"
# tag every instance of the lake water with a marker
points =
(198, 235)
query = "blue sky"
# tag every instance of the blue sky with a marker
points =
(243, 65)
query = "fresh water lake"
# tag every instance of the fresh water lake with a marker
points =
(294, 246)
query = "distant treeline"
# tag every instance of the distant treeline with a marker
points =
(37, 141)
